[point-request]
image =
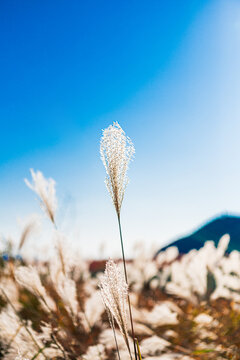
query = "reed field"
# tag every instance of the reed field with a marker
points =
(166, 306)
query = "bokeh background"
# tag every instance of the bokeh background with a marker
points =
(167, 71)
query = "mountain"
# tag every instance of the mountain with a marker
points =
(212, 230)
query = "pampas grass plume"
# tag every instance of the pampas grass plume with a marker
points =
(45, 189)
(116, 151)
(114, 291)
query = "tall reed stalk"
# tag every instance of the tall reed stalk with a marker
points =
(117, 151)
(126, 278)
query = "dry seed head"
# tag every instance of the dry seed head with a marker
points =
(28, 277)
(45, 189)
(114, 291)
(29, 227)
(116, 151)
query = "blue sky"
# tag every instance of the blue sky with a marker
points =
(167, 71)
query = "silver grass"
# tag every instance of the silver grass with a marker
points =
(114, 291)
(29, 227)
(116, 151)
(28, 277)
(45, 189)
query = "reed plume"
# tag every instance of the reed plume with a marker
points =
(29, 227)
(28, 277)
(114, 291)
(45, 189)
(116, 151)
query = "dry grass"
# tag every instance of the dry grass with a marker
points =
(63, 332)
(184, 307)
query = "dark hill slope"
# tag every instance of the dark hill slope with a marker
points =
(212, 230)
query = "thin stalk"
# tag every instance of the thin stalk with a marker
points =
(59, 346)
(126, 278)
(139, 352)
(111, 320)
(38, 353)
(115, 338)
(13, 337)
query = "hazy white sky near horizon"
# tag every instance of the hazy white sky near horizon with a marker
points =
(185, 125)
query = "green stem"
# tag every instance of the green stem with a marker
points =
(38, 353)
(126, 278)
(138, 347)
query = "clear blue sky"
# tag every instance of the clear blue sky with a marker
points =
(167, 71)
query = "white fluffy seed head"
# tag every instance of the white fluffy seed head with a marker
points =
(114, 291)
(28, 277)
(45, 189)
(116, 151)
(31, 225)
